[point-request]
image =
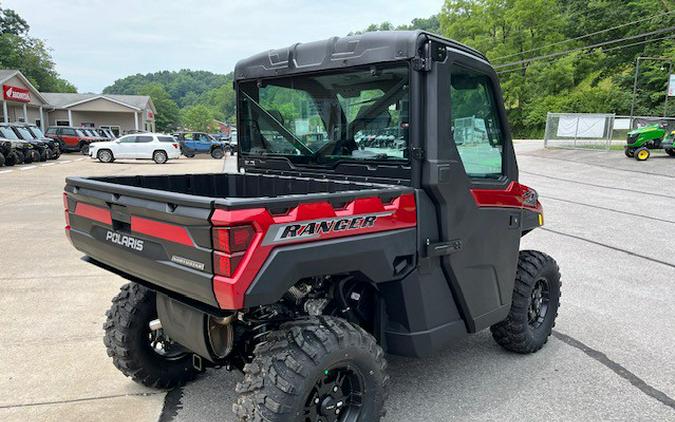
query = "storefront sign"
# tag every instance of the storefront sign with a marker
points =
(14, 93)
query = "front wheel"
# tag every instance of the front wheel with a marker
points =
(534, 305)
(314, 369)
(2, 159)
(670, 152)
(146, 356)
(642, 154)
(629, 152)
(84, 149)
(217, 153)
(105, 156)
(159, 157)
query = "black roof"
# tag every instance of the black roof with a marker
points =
(339, 52)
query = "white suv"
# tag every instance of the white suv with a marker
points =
(142, 146)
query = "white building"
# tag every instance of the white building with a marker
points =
(21, 102)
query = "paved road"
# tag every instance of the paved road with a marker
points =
(610, 223)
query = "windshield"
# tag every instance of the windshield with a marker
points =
(359, 114)
(37, 131)
(25, 134)
(8, 133)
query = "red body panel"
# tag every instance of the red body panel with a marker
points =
(400, 213)
(92, 212)
(160, 230)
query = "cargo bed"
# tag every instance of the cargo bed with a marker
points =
(158, 229)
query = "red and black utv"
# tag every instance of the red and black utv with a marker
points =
(357, 225)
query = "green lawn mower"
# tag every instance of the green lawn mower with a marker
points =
(654, 136)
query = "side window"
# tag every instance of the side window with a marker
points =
(475, 124)
(51, 131)
(143, 139)
(130, 139)
(68, 132)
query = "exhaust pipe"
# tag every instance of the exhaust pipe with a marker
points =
(205, 335)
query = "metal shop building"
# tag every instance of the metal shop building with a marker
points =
(21, 102)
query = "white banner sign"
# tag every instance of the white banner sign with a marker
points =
(671, 86)
(581, 127)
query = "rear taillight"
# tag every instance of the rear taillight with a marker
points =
(175, 146)
(230, 244)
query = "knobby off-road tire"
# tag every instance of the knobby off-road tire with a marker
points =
(523, 330)
(642, 154)
(11, 159)
(296, 372)
(2, 159)
(127, 341)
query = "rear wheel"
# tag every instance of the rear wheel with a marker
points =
(105, 156)
(159, 157)
(314, 369)
(670, 151)
(11, 159)
(2, 159)
(217, 153)
(28, 157)
(642, 154)
(146, 356)
(629, 152)
(20, 157)
(43, 155)
(84, 148)
(534, 306)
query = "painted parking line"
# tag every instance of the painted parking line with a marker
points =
(27, 168)
(6, 171)
(64, 162)
(48, 164)
(80, 159)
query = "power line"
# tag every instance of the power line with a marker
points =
(561, 53)
(586, 35)
(606, 49)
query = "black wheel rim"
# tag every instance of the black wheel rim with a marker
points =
(539, 302)
(336, 396)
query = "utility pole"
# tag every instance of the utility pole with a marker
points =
(635, 83)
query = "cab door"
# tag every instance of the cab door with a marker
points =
(126, 147)
(468, 148)
(69, 137)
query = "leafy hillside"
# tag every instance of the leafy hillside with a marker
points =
(182, 96)
(541, 51)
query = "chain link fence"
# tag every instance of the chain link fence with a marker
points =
(595, 131)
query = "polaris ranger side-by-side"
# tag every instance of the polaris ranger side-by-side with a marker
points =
(356, 226)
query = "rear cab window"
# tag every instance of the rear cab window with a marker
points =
(476, 128)
(142, 139)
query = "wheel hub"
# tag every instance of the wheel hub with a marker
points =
(539, 299)
(336, 396)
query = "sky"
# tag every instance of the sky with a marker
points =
(95, 42)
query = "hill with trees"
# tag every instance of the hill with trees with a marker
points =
(543, 51)
(182, 96)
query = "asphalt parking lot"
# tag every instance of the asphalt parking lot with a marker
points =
(610, 223)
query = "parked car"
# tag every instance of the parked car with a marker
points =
(25, 153)
(71, 138)
(147, 146)
(193, 143)
(106, 133)
(37, 133)
(93, 133)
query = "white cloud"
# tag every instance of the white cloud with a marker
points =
(94, 42)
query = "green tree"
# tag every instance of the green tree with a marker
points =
(168, 115)
(198, 117)
(28, 55)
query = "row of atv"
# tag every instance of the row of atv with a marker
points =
(25, 144)
(641, 141)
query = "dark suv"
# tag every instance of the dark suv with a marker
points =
(70, 138)
(54, 150)
(24, 152)
(42, 148)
